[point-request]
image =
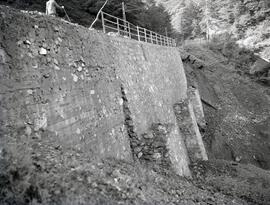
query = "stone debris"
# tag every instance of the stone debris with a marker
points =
(28, 131)
(80, 69)
(30, 92)
(43, 51)
(56, 67)
(40, 122)
(75, 77)
(238, 158)
(78, 131)
(113, 34)
(19, 42)
(121, 101)
(47, 75)
(55, 62)
(27, 42)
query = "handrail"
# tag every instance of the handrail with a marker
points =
(122, 27)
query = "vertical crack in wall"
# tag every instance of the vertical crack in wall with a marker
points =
(155, 149)
(188, 127)
(129, 123)
(150, 147)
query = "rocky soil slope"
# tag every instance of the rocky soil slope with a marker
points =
(38, 172)
(237, 107)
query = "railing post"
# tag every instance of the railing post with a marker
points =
(151, 37)
(174, 43)
(118, 28)
(164, 41)
(103, 22)
(167, 41)
(156, 39)
(138, 33)
(125, 27)
(129, 34)
(145, 35)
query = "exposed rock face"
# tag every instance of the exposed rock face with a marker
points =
(236, 108)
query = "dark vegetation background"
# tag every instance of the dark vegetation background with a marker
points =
(145, 14)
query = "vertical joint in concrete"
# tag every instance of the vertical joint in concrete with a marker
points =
(188, 127)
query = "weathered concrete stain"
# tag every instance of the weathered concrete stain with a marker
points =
(196, 102)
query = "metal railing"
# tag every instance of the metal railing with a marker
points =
(124, 28)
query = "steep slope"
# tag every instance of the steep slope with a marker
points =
(237, 108)
(37, 169)
(248, 21)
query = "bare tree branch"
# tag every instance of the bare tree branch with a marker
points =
(98, 14)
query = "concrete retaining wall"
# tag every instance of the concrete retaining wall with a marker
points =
(106, 96)
(196, 102)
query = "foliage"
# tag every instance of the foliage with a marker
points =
(157, 19)
(241, 58)
(145, 13)
(246, 21)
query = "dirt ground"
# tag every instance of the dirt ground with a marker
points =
(54, 175)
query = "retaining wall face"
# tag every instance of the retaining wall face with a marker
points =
(195, 100)
(153, 79)
(187, 124)
(61, 79)
(97, 93)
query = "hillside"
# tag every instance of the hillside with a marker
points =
(86, 118)
(238, 124)
(247, 21)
